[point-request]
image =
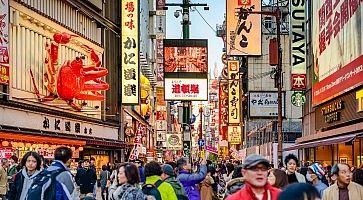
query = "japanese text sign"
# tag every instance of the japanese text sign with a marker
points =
(337, 47)
(4, 42)
(265, 104)
(186, 89)
(298, 81)
(130, 52)
(243, 28)
(234, 106)
(223, 108)
(234, 134)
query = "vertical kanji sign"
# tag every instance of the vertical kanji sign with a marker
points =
(4, 42)
(130, 52)
(233, 93)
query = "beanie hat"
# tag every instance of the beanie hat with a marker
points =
(317, 169)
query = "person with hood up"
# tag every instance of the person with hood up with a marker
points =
(169, 177)
(23, 180)
(190, 180)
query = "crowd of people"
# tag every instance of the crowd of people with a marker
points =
(254, 179)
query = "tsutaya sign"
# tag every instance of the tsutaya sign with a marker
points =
(298, 44)
(130, 52)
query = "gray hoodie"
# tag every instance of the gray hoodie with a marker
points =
(28, 180)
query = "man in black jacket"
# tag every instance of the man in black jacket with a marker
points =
(86, 179)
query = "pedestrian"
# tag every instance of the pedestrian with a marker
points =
(31, 163)
(291, 166)
(92, 165)
(343, 188)
(228, 176)
(299, 191)
(236, 183)
(315, 175)
(86, 179)
(191, 180)
(206, 189)
(55, 182)
(3, 178)
(278, 178)
(13, 161)
(168, 176)
(139, 164)
(105, 182)
(154, 186)
(255, 171)
(358, 176)
(127, 184)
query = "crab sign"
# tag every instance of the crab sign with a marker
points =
(73, 80)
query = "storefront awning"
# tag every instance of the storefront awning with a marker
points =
(322, 142)
(40, 139)
(138, 117)
(107, 143)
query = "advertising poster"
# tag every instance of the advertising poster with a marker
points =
(243, 28)
(337, 48)
(4, 42)
(265, 104)
(186, 89)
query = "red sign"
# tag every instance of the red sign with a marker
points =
(223, 109)
(4, 75)
(298, 81)
(340, 81)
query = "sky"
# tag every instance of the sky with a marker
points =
(200, 29)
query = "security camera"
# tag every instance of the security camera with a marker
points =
(176, 14)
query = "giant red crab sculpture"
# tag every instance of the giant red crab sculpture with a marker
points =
(73, 80)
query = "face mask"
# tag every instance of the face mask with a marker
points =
(308, 177)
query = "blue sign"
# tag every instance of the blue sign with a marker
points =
(201, 142)
(192, 119)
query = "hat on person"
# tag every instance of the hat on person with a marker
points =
(253, 160)
(167, 169)
(317, 169)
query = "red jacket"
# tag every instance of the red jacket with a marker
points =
(246, 193)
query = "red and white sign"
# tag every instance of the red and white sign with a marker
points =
(4, 42)
(298, 81)
(337, 48)
(186, 89)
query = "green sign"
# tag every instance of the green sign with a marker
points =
(298, 98)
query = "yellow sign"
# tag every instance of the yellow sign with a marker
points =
(243, 28)
(234, 102)
(130, 52)
(359, 97)
(234, 134)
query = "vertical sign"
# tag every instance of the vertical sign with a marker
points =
(243, 28)
(234, 134)
(130, 52)
(233, 93)
(223, 108)
(298, 45)
(4, 42)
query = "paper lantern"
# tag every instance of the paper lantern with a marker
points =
(5, 143)
(14, 144)
(34, 146)
(80, 148)
(46, 146)
(28, 145)
(21, 144)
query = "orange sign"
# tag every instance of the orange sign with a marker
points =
(4, 75)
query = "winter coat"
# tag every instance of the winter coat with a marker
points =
(127, 192)
(355, 191)
(271, 193)
(86, 180)
(165, 189)
(22, 183)
(177, 186)
(234, 185)
(104, 176)
(65, 188)
(190, 181)
(3, 180)
(206, 190)
(12, 170)
(142, 174)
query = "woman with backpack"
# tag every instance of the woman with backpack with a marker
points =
(127, 188)
(23, 180)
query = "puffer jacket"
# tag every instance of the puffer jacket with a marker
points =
(190, 181)
(234, 185)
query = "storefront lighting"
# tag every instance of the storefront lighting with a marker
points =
(21, 144)
(34, 146)
(73, 149)
(46, 146)
(80, 148)
(5, 143)
(28, 145)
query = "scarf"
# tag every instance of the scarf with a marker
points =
(266, 194)
(128, 192)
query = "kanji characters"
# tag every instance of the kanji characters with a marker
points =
(176, 88)
(185, 88)
(130, 74)
(128, 57)
(130, 90)
(130, 7)
(130, 43)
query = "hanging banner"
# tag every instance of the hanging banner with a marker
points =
(234, 107)
(298, 45)
(337, 48)
(223, 108)
(4, 43)
(243, 28)
(130, 52)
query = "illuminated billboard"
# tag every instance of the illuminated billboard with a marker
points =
(337, 48)
(234, 105)
(186, 89)
(243, 28)
(130, 52)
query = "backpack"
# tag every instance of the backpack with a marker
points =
(182, 197)
(152, 189)
(35, 191)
